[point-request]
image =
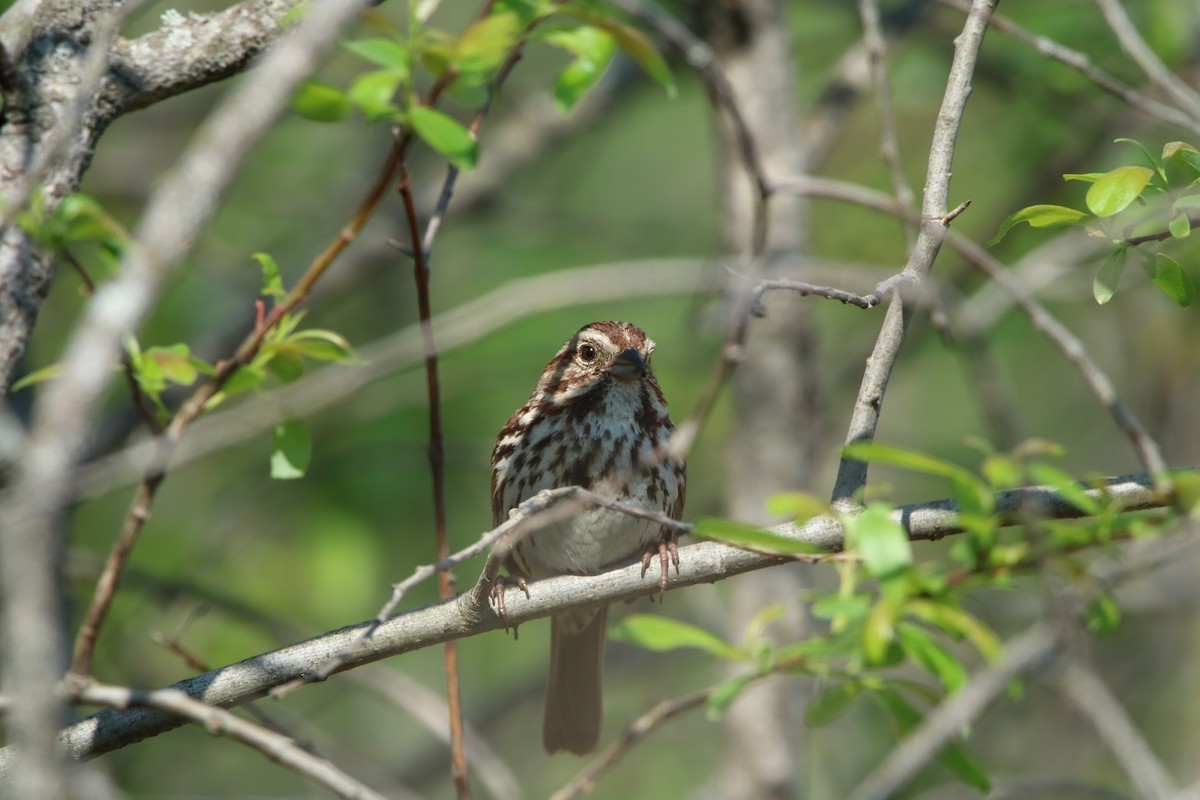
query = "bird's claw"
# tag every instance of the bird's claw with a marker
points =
(668, 554)
(499, 588)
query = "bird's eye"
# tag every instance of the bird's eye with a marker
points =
(587, 353)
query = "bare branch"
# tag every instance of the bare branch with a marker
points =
(1025, 652)
(1096, 702)
(852, 473)
(1133, 44)
(275, 746)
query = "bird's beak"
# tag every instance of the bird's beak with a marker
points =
(628, 366)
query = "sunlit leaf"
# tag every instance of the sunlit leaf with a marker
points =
(658, 633)
(1183, 154)
(1066, 487)
(835, 605)
(1112, 193)
(484, 45)
(37, 376)
(880, 540)
(1086, 177)
(321, 103)
(631, 41)
(800, 507)
(972, 494)
(322, 345)
(291, 450)
(879, 632)
(1039, 216)
(1180, 226)
(956, 622)
(272, 284)
(373, 93)
(444, 134)
(1108, 277)
(174, 362)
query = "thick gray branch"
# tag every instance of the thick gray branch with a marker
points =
(706, 562)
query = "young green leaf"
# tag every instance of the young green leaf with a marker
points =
(37, 376)
(739, 534)
(631, 41)
(1085, 177)
(927, 653)
(373, 94)
(1112, 193)
(386, 53)
(660, 634)
(322, 345)
(285, 364)
(484, 45)
(445, 135)
(723, 696)
(1103, 615)
(320, 103)
(880, 540)
(1180, 226)
(1039, 216)
(1108, 277)
(1149, 157)
(174, 363)
(973, 495)
(582, 74)
(800, 507)
(956, 622)
(1185, 155)
(879, 632)
(272, 283)
(831, 606)
(831, 703)
(291, 450)
(953, 756)
(1066, 487)
(1170, 278)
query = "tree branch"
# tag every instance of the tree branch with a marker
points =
(852, 473)
(706, 562)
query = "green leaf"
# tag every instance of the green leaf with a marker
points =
(880, 539)
(38, 376)
(1112, 193)
(723, 696)
(1066, 487)
(174, 363)
(631, 41)
(286, 365)
(1180, 226)
(1103, 615)
(445, 135)
(272, 285)
(879, 632)
(1086, 177)
(832, 606)
(1039, 216)
(593, 49)
(321, 103)
(244, 378)
(291, 450)
(384, 52)
(927, 653)
(1183, 154)
(484, 45)
(1172, 280)
(322, 345)
(972, 493)
(1108, 277)
(739, 534)
(1149, 158)
(660, 634)
(373, 93)
(956, 622)
(831, 703)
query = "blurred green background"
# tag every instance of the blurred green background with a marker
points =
(235, 564)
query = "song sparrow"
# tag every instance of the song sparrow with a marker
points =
(594, 420)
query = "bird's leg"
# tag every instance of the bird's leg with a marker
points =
(498, 589)
(668, 553)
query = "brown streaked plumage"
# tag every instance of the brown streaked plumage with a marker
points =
(594, 420)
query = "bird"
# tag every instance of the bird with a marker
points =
(597, 419)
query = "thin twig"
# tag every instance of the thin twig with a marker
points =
(437, 465)
(889, 147)
(1027, 651)
(1083, 64)
(275, 746)
(1094, 701)
(634, 733)
(1133, 44)
(852, 473)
